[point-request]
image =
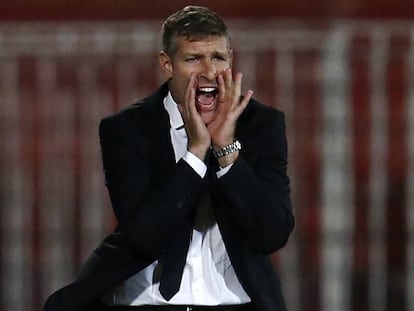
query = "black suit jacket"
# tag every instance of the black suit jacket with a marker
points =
(154, 198)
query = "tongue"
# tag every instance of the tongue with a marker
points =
(205, 99)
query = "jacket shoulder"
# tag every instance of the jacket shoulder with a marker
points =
(258, 115)
(257, 107)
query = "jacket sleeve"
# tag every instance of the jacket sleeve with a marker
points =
(257, 187)
(148, 210)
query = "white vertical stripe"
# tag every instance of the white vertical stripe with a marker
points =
(410, 176)
(289, 255)
(377, 182)
(15, 195)
(284, 80)
(246, 63)
(94, 104)
(127, 72)
(56, 201)
(337, 177)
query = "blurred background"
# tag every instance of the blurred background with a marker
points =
(342, 71)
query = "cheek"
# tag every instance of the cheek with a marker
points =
(179, 82)
(178, 89)
(222, 66)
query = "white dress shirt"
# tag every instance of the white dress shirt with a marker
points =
(208, 277)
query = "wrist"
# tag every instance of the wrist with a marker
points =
(227, 160)
(199, 151)
(225, 151)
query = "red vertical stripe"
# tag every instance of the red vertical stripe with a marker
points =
(307, 159)
(67, 80)
(360, 91)
(76, 145)
(3, 155)
(396, 171)
(32, 119)
(146, 72)
(265, 77)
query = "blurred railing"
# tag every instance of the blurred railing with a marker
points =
(347, 88)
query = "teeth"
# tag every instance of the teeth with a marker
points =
(207, 89)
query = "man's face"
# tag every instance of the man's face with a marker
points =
(206, 58)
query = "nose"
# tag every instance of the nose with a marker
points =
(209, 71)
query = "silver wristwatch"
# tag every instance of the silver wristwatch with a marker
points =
(233, 147)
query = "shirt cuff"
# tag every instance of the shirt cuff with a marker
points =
(197, 165)
(223, 170)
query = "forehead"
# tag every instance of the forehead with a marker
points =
(202, 44)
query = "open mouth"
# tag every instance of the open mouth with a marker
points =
(205, 97)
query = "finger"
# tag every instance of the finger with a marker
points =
(248, 96)
(246, 100)
(221, 88)
(190, 94)
(228, 79)
(191, 101)
(237, 87)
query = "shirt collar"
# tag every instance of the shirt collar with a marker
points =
(170, 105)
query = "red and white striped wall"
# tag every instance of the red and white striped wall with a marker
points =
(346, 86)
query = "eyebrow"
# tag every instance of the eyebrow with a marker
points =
(215, 53)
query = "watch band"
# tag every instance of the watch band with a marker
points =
(233, 147)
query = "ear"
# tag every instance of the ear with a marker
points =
(231, 58)
(165, 64)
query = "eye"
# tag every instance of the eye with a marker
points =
(220, 58)
(191, 59)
